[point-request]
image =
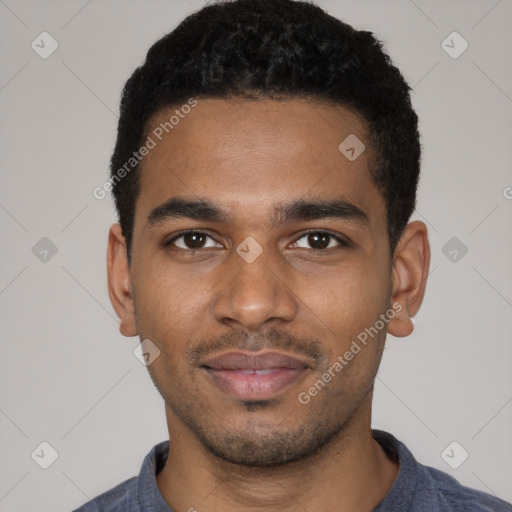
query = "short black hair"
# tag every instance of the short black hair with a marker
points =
(274, 49)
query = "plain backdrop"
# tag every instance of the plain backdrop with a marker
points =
(68, 378)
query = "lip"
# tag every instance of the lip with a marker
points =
(255, 377)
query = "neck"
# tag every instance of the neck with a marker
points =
(351, 473)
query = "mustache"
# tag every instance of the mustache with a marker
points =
(272, 338)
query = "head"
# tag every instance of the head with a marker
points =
(283, 142)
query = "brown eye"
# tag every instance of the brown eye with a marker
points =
(319, 240)
(193, 240)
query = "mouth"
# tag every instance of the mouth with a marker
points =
(255, 377)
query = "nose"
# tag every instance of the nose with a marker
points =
(256, 294)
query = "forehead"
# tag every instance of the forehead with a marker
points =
(253, 154)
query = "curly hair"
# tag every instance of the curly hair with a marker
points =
(275, 49)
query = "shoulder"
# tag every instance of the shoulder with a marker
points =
(137, 493)
(421, 488)
(449, 495)
(117, 499)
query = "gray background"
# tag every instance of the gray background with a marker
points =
(70, 379)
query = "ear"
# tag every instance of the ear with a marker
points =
(411, 262)
(119, 281)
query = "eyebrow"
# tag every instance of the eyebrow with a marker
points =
(299, 210)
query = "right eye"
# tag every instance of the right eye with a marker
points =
(192, 241)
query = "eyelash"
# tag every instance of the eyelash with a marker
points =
(342, 243)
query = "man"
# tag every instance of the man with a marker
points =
(264, 174)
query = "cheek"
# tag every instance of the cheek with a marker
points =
(356, 286)
(347, 301)
(166, 303)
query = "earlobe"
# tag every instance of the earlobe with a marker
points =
(411, 263)
(119, 281)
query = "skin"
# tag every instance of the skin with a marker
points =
(248, 157)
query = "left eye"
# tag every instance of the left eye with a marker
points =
(319, 240)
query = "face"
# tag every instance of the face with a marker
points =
(260, 258)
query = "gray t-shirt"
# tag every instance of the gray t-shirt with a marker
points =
(417, 488)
